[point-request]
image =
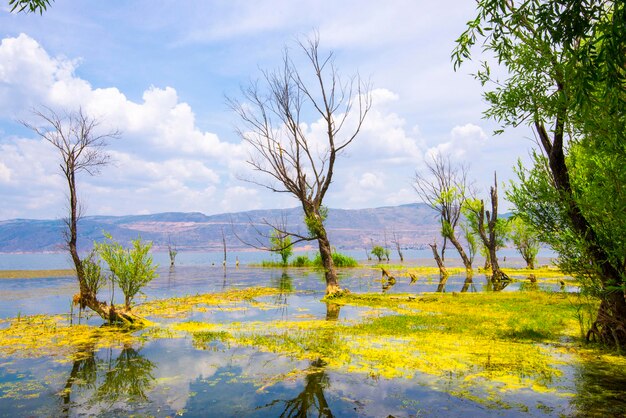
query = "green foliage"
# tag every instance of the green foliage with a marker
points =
(379, 252)
(301, 261)
(92, 271)
(315, 222)
(281, 244)
(525, 239)
(31, 6)
(566, 77)
(131, 269)
(339, 260)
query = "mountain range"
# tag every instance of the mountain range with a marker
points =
(412, 225)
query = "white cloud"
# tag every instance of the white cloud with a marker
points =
(464, 141)
(5, 173)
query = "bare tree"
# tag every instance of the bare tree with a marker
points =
(492, 236)
(172, 251)
(290, 156)
(81, 147)
(395, 240)
(444, 187)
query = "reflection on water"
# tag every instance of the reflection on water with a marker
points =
(181, 376)
(124, 378)
(311, 401)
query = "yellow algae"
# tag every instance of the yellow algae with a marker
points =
(181, 307)
(35, 274)
(51, 335)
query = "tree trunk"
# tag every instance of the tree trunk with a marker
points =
(442, 268)
(466, 261)
(610, 324)
(330, 273)
(487, 265)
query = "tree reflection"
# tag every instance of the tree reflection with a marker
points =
(600, 389)
(284, 285)
(468, 284)
(125, 378)
(496, 285)
(311, 400)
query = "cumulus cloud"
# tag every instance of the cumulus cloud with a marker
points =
(463, 142)
(165, 162)
(161, 152)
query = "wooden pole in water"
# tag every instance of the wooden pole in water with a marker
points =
(224, 244)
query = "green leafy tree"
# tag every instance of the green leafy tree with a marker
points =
(131, 269)
(525, 240)
(444, 187)
(378, 252)
(566, 78)
(280, 243)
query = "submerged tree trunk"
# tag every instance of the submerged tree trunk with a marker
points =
(466, 261)
(330, 273)
(442, 268)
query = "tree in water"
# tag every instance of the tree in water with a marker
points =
(492, 237)
(131, 269)
(172, 251)
(525, 240)
(280, 243)
(76, 138)
(293, 160)
(444, 187)
(395, 240)
(379, 252)
(566, 79)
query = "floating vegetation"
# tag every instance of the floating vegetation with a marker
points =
(47, 335)
(35, 274)
(476, 346)
(183, 306)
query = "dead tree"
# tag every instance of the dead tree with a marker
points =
(442, 268)
(490, 237)
(81, 147)
(444, 187)
(395, 240)
(172, 251)
(224, 247)
(285, 150)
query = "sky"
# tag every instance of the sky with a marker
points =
(160, 73)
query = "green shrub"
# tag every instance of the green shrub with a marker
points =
(339, 260)
(92, 272)
(301, 261)
(131, 269)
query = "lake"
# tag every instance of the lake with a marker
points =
(207, 374)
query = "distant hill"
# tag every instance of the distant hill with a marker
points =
(414, 226)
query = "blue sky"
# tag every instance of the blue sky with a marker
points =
(159, 71)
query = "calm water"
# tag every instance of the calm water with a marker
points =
(166, 377)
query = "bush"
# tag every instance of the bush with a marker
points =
(301, 261)
(339, 260)
(131, 269)
(92, 272)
